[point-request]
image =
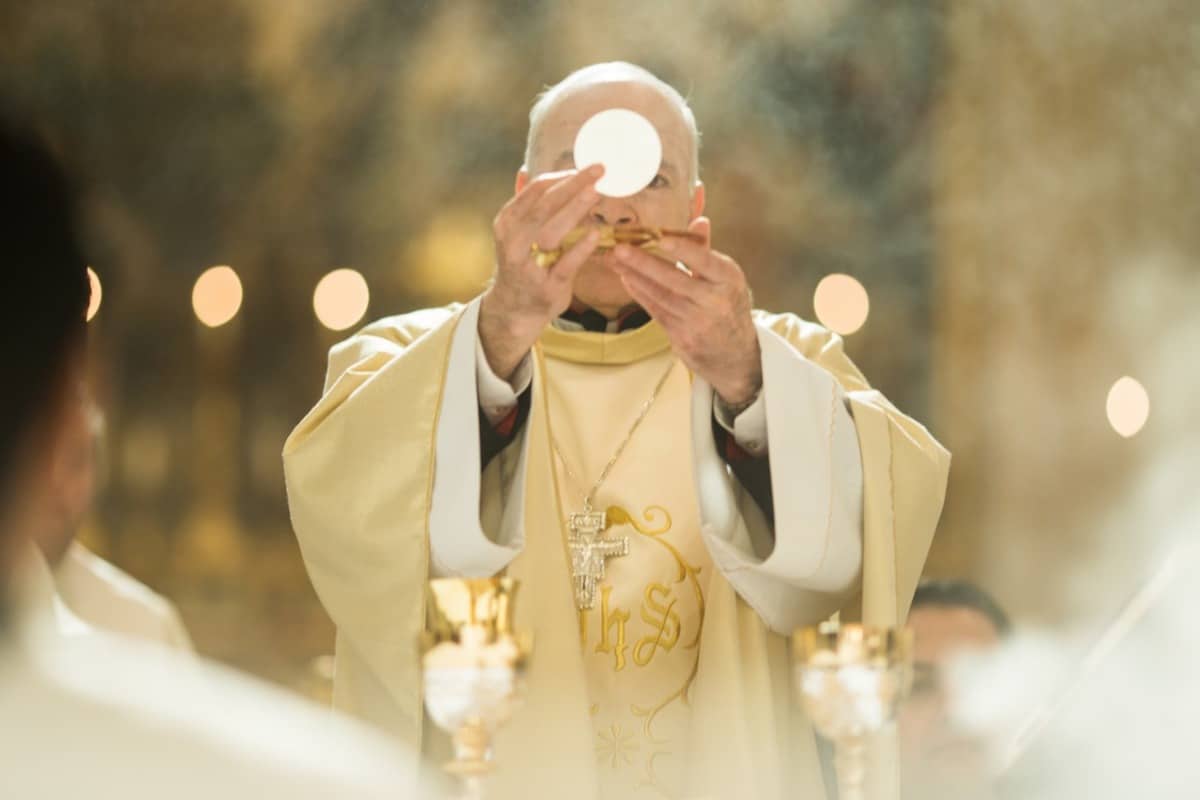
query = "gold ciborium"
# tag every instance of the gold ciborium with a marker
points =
(473, 662)
(851, 680)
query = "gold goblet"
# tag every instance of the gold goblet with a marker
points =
(473, 662)
(852, 680)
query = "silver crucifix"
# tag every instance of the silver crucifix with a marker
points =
(589, 552)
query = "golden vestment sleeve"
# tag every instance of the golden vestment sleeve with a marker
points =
(905, 471)
(749, 740)
(359, 471)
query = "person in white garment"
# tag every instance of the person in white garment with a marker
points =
(105, 596)
(96, 592)
(94, 716)
(677, 480)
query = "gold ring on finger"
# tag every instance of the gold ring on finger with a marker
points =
(545, 258)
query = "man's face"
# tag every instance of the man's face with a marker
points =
(939, 761)
(68, 492)
(671, 200)
(51, 482)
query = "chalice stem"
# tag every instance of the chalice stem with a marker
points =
(472, 758)
(851, 766)
(472, 788)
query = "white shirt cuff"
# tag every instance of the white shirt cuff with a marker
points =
(497, 397)
(749, 427)
(459, 544)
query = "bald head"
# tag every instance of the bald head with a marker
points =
(622, 85)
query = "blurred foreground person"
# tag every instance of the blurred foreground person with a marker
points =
(677, 480)
(106, 597)
(93, 591)
(96, 716)
(949, 619)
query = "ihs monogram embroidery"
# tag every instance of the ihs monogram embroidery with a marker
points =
(663, 625)
(646, 636)
(660, 615)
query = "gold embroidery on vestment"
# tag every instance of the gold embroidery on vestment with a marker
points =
(615, 745)
(664, 621)
(661, 620)
(619, 516)
(608, 619)
(660, 614)
(651, 778)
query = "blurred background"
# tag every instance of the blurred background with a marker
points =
(1005, 193)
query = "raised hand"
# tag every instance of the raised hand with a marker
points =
(524, 296)
(706, 314)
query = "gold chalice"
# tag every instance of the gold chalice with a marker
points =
(473, 662)
(852, 680)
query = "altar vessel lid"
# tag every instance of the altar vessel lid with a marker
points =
(628, 146)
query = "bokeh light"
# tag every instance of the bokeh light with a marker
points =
(217, 296)
(97, 294)
(1128, 406)
(341, 299)
(841, 303)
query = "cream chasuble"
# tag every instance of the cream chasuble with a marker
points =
(677, 682)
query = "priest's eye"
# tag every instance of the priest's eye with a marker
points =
(660, 182)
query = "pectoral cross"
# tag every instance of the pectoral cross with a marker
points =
(589, 552)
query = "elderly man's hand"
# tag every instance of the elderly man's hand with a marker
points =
(525, 296)
(706, 314)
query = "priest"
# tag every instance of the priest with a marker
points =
(677, 480)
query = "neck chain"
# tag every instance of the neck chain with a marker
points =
(591, 493)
